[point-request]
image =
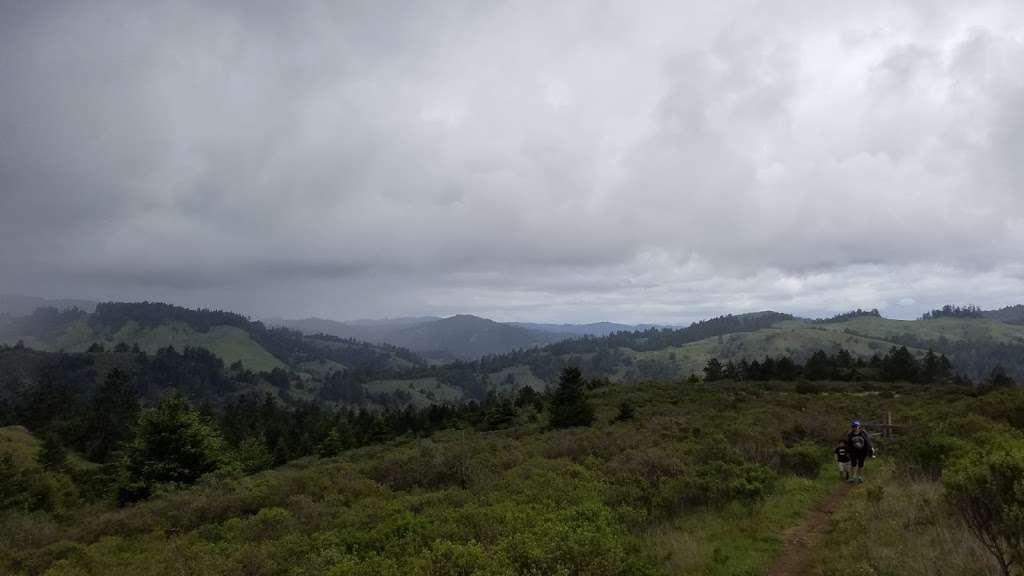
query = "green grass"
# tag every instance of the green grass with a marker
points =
(424, 391)
(798, 340)
(738, 540)
(522, 376)
(949, 328)
(231, 344)
(862, 336)
(895, 524)
(321, 368)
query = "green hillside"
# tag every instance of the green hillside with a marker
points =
(230, 343)
(232, 337)
(957, 329)
(798, 341)
(974, 345)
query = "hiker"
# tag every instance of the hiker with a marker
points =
(843, 459)
(858, 442)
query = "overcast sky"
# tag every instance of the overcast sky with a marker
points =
(543, 161)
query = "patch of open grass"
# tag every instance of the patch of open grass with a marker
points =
(424, 391)
(739, 541)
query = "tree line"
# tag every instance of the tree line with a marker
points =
(897, 365)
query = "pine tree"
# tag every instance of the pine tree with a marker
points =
(713, 370)
(337, 441)
(174, 445)
(502, 414)
(114, 414)
(569, 406)
(900, 365)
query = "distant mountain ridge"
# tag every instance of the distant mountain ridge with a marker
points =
(459, 337)
(591, 329)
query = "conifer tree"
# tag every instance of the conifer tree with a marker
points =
(174, 445)
(713, 370)
(569, 405)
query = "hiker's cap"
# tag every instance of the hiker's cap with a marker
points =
(855, 424)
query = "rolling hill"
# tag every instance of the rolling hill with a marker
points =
(975, 345)
(459, 337)
(480, 355)
(154, 326)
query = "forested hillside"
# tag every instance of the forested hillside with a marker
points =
(152, 326)
(327, 369)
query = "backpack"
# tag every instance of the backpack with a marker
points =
(857, 442)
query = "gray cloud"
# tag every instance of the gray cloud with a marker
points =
(635, 161)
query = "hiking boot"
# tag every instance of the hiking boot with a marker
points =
(860, 480)
(852, 481)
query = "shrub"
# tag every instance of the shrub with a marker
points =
(987, 489)
(927, 455)
(803, 459)
(626, 413)
(713, 485)
(808, 387)
(426, 466)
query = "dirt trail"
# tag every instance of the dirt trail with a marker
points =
(802, 539)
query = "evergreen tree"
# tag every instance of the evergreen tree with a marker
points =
(569, 405)
(174, 445)
(527, 396)
(338, 440)
(114, 414)
(899, 365)
(502, 414)
(819, 366)
(935, 368)
(998, 378)
(730, 372)
(713, 370)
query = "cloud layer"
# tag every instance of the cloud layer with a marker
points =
(644, 161)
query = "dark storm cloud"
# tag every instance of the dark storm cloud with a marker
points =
(574, 160)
